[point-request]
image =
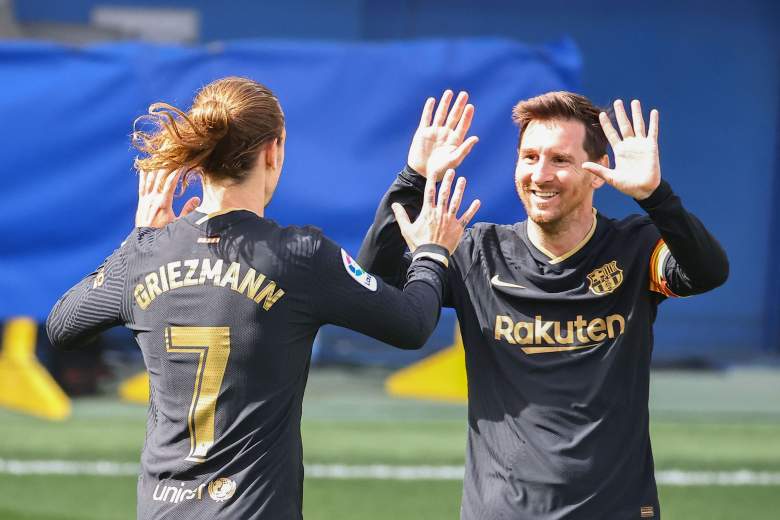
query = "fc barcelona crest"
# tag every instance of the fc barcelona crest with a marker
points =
(606, 278)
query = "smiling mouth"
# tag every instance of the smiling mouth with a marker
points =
(544, 195)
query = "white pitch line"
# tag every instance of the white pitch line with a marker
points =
(105, 468)
(383, 472)
(99, 468)
(743, 477)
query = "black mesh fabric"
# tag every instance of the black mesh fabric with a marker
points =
(558, 353)
(225, 310)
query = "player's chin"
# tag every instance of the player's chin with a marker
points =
(543, 217)
(543, 213)
(540, 213)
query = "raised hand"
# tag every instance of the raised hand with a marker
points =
(440, 140)
(155, 199)
(637, 171)
(437, 222)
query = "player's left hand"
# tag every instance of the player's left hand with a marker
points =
(440, 141)
(637, 171)
(155, 199)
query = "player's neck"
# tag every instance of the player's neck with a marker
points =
(562, 236)
(249, 195)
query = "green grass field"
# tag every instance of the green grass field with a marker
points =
(712, 422)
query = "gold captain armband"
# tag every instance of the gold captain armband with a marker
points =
(657, 264)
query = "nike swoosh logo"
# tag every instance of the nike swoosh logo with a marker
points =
(498, 283)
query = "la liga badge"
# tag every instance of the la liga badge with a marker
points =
(365, 279)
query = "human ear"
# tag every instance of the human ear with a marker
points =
(271, 153)
(596, 181)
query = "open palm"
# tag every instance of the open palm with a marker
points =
(155, 198)
(437, 222)
(440, 140)
(637, 171)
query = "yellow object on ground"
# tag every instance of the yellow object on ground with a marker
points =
(25, 385)
(136, 388)
(440, 376)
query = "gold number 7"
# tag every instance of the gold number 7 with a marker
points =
(212, 345)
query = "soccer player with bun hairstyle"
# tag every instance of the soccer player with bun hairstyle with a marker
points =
(556, 311)
(231, 121)
(225, 305)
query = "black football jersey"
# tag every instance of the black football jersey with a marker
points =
(558, 353)
(225, 308)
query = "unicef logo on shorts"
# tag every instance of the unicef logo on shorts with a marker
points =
(221, 489)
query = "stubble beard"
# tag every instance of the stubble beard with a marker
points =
(551, 222)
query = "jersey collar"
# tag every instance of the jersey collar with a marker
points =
(218, 219)
(203, 217)
(552, 259)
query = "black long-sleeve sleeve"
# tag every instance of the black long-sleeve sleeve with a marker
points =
(383, 250)
(91, 306)
(697, 262)
(357, 300)
(346, 295)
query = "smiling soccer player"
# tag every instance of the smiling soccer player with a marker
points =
(556, 312)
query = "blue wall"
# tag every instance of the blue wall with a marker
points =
(711, 67)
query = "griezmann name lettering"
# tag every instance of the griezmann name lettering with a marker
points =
(203, 271)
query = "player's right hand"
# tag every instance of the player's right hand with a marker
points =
(155, 199)
(437, 222)
(438, 143)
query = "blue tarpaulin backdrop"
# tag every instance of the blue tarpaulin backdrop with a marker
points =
(351, 109)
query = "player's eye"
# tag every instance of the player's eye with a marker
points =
(530, 157)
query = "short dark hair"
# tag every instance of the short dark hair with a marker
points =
(567, 106)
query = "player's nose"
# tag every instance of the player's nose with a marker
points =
(541, 173)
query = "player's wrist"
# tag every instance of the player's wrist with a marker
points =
(643, 192)
(434, 252)
(657, 197)
(413, 177)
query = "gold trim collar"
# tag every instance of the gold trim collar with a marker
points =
(558, 259)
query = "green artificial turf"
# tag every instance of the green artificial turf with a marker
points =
(349, 420)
